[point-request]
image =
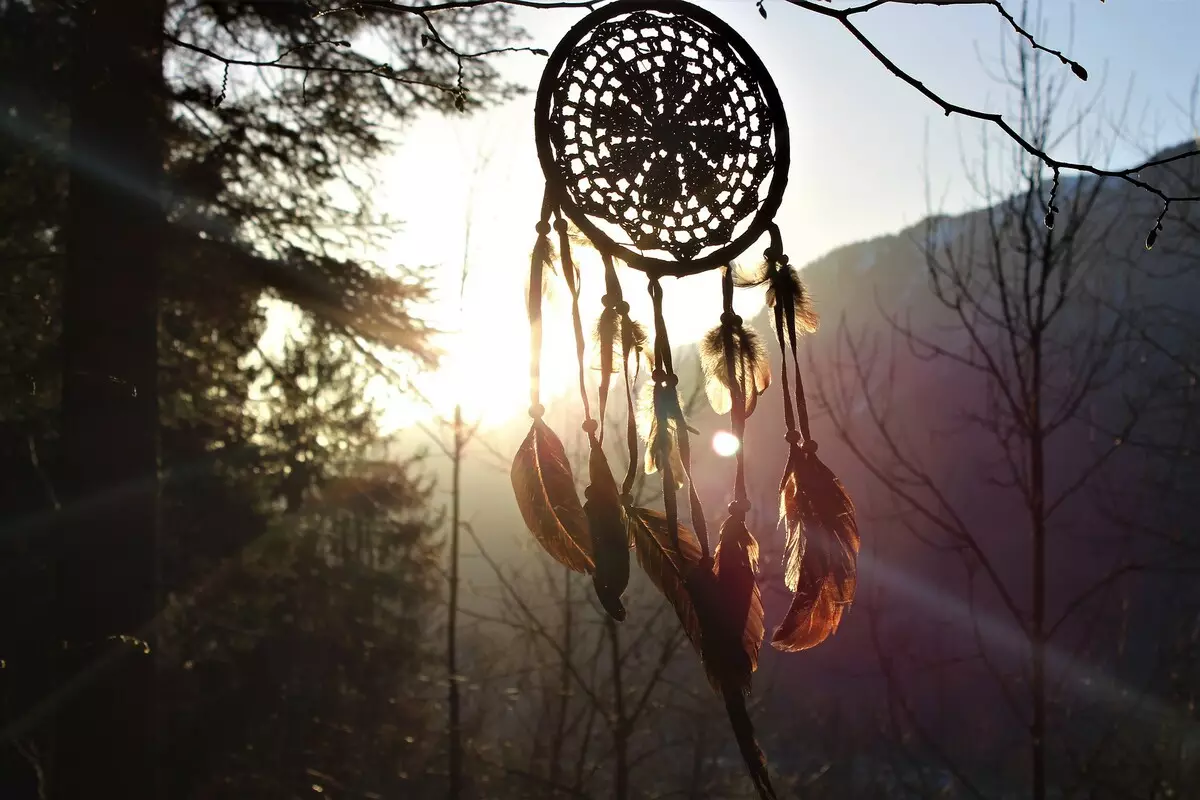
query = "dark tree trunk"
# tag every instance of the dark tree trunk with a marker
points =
(456, 752)
(106, 565)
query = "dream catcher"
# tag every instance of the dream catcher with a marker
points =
(664, 143)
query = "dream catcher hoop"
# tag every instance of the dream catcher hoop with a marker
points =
(664, 144)
(657, 120)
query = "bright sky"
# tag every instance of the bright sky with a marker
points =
(863, 143)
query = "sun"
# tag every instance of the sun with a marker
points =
(485, 363)
(484, 367)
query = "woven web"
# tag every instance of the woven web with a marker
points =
(659, 127)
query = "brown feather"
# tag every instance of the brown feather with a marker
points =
(545, 491)
(666, 565)
(607, 527)
(793, 521)
(816, 506)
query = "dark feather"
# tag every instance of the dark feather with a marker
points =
(721, 614)
(730, 612)
(545, 491)
(752, 754)
(752, 368)
(787, 288)
(735, 565)
(606, 525)
(666, 565)
(818, 511)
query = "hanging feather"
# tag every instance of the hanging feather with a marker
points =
(689, 585)
(790, 292)
(545, 491)
(750, 277)
(732, 343)
(728, 646)
(612, 330)
(545, 255)
(821, 553)
(610, 538)
(794, 539)
(730, 612)
(738, 611)
(659, 418)
(666, 565)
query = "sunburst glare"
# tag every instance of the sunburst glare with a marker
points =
(725, 444)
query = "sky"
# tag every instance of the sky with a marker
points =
(870, 156)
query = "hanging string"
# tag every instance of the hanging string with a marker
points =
(659, 377)
(685, 455)
(801, 402)
(615, 308)
(789, 415)
(785, 315)
(572, 276)
(662, 345)
(731, 325)
(631, 437)
(666, 407)
(613, 288)
(538, 259)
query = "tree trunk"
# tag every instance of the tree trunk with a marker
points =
(456, 753)
(106, 561)
(1037, 508)
(564, 686)
(620, 725)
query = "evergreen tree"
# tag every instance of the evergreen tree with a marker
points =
(245, 441)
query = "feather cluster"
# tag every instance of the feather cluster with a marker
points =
(731, 348)
(719, 605)
(717, 598)
(820, 554)
(789, 291)
(591, 538)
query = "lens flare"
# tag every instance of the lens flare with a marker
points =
(725, 444)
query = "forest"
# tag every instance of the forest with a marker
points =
(256, 540)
